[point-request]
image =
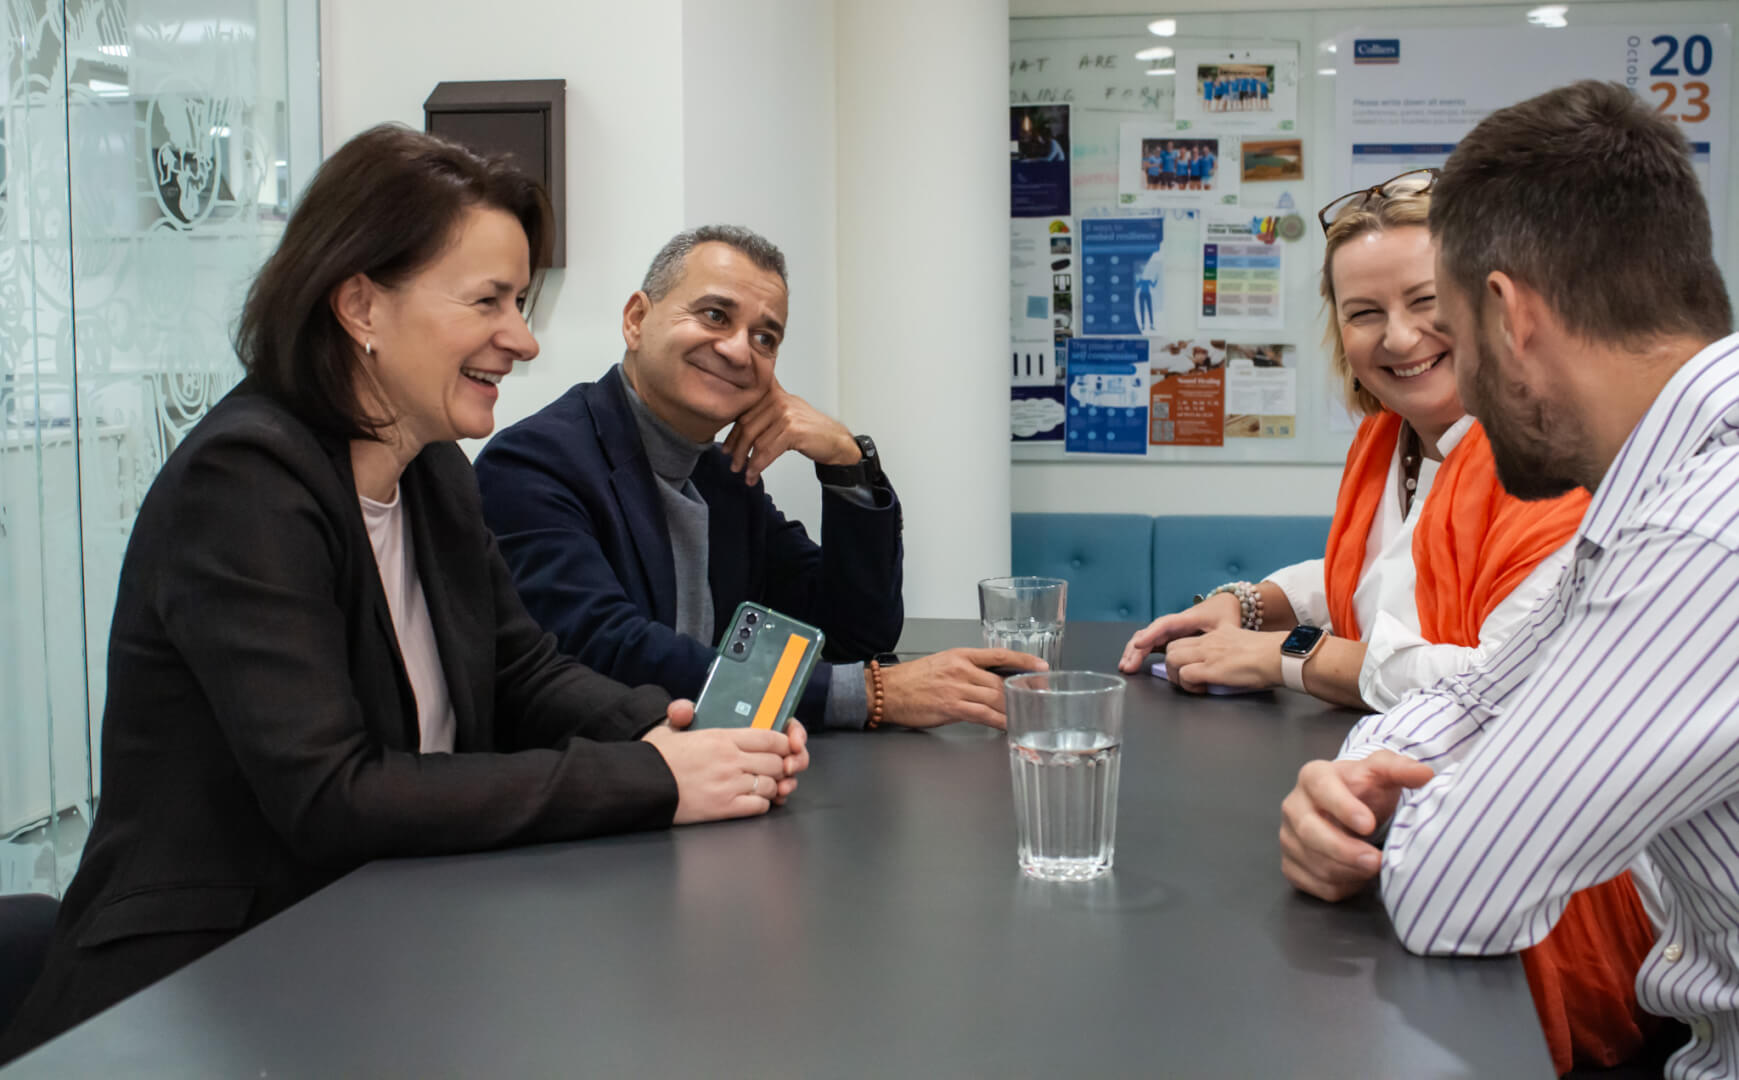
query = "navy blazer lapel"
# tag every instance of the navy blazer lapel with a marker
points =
(636, 496)
(457, 629)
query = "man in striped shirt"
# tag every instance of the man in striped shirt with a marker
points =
(1593, 339)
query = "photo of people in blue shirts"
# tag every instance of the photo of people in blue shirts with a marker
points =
(1232, 87)
(1179, 164)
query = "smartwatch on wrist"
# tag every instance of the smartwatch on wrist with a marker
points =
(868, 471)
(1299, 646)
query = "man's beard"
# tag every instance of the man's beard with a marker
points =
(1530, 464)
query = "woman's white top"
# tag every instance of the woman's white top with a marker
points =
(410, 620)
(1397, 660)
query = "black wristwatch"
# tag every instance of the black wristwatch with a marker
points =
(868, 471)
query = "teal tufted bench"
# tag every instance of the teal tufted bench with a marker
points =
(1193, 554)
(1131, 567)
(1107, 560)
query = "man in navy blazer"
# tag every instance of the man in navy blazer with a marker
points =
(633, 537)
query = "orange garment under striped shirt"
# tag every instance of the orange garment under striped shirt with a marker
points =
(1474, 543)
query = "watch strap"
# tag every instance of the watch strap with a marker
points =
(867, 470)
(1292, 664)
(1292, 670)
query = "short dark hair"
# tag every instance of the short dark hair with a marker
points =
(1586, 194)
(667, 265)
(386, 205)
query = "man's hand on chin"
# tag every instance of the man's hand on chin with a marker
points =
(782, 421)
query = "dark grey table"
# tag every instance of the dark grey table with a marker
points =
(877, 926)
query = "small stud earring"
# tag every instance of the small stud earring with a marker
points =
(368, 349)
(1356, 386)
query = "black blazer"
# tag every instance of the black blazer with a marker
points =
(572, 497)
(260, 736)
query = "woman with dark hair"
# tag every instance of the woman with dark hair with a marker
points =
(317, 656)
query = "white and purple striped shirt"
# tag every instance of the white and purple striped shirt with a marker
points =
(1605, 730)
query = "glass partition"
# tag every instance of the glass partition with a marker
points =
(145, 172)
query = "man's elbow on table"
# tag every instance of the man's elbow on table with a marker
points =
(1434, 914)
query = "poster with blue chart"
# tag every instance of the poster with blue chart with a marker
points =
(1107, 396)
(1120, 274)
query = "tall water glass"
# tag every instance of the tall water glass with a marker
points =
(1065, 745)
(1024, 614)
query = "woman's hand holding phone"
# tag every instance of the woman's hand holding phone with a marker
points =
(728, 772)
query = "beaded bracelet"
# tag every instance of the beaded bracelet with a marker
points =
(1249, 602)
(875, 716)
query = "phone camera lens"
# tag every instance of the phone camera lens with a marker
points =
(751, 618)
(737, 647)
(744, 633)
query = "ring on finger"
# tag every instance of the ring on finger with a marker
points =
(754, 783)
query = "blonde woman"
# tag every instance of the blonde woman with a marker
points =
(1430, 565)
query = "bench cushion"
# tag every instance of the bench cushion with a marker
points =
(1107, 559)
(1193, 554)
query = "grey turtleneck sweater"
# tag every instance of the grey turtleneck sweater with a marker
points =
(673, 458)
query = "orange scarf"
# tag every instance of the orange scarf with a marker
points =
(1473, 545)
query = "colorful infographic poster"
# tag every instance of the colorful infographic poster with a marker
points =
(1241, 271)
(1122, 274)
(1107, 396)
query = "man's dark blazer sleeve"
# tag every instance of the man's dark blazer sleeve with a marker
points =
(849, 584)
(255, 544)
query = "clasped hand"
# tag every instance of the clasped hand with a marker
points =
(728, 772)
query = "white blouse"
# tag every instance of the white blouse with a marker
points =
(410, 620)
(1397, 659)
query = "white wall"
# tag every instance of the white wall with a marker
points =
(758, 102)
(923, 240)
(623, 66)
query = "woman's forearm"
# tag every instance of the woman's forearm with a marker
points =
(1332, 672)
(1277, 613)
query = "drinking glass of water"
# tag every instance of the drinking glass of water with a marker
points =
(1024, 614)
(1065, 744)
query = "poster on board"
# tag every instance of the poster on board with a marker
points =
(1261, 391)
(1107, 396)
(1122, 274)
(1404, 98)
(1041, 277)
(1035, 414)
(1187, 395)
(1157, 167)
(1241, 271)
(1237, 89)
(1038, 154)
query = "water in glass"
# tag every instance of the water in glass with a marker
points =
(1041, 639)
(1065, 799)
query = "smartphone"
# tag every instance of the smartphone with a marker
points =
(758, 676)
